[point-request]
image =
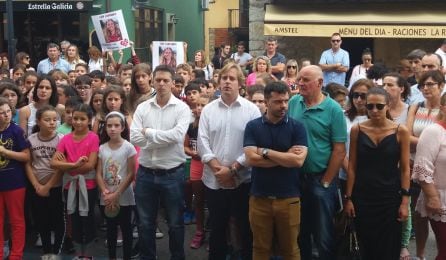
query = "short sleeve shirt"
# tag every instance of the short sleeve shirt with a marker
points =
(325, 125)
(330, 57)
(281, 182)
(12, 172)
(114, 169)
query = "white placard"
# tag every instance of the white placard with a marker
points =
(167, 53)
(111, 30)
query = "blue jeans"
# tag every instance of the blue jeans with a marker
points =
(318, 206)
(150, 190)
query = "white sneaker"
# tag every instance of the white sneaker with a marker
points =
(158, 233)
(135, 232)
(38, 241)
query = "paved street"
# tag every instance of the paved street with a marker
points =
(33, 252)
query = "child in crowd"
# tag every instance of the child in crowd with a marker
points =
(76, 156)
(126, 84)
(82, 84)
(67, 126)
(97, 80)
(12, 93)
(256, 95)
(14, 152)
(46, 195)
(96, 105)
(71, 76)
(114, 174)
(177, 89)
(192, 97)
(114, 99)
(196, 172)
(212, 90)
(141, 85)
(184, 70)
(60, 77)
(64, 92)
(338, 93)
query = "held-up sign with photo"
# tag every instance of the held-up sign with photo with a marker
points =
(167, 53)
(111, 31)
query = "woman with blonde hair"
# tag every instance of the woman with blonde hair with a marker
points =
(73, 57)
(290, 76)
(112, 33)
(200, 62)
(261, 64)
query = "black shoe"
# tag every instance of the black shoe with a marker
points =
(68, 246)
(135, 252)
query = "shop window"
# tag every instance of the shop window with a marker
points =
(149, 27)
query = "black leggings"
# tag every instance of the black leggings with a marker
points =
(123, 219)
(49, 215)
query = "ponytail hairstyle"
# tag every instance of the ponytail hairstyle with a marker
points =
(39, 114)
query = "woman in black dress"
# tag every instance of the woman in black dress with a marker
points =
(377, 192)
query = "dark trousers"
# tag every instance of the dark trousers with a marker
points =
(49, 215)
(222, 205)
(123, 219)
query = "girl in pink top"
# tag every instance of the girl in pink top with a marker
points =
(77, 155)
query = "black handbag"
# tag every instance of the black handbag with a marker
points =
(348, 246)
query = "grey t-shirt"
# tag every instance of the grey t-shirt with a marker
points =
(42, 152)
(114, 170)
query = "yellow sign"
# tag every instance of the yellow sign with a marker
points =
(356, 31)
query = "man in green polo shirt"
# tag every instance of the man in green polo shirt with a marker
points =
(326, 132)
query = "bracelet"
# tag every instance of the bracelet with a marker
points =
(347, 197)
(404, 192)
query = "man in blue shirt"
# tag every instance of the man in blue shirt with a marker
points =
(277, 59)
(335, 62)
(53, 61)
(276, 146)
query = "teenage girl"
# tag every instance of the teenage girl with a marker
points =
(46, 197)
(76, 156)
(196, 172)
(96, 105)
(141, 85)
(114, 174)
(45, 93)
(14, 153)
(114, 99)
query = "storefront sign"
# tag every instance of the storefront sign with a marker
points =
(356, 31)
(49, 5)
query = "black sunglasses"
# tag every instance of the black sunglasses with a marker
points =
(335, 40)
(371, 106)
(289, 67)
(356, 95)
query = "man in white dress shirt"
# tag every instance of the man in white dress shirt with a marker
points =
(220, 145)
(158, 128)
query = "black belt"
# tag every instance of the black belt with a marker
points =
(161, 172)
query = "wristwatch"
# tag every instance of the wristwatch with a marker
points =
(405, 192)
(265, 153)
(325, 184)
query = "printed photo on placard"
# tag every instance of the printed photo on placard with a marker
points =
(111, 30)
(167, 53)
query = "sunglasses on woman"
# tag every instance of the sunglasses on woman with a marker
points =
(371, 106)
(357, 95)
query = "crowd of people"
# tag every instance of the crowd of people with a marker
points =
(274, 148)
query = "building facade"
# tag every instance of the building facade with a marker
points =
(38, 22)
(390, 28)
